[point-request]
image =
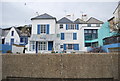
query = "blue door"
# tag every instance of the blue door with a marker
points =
(12, 41)
(50, 45)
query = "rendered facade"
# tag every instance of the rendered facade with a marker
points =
(62, 35)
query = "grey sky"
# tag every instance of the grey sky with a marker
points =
(17, 13)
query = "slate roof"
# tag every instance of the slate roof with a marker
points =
(79, 21)
(64, 20)
(43, 16)
(94, 21)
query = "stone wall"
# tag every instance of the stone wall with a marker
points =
(60, 65)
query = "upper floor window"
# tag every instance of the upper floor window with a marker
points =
(90, 34)
(89, 25)
(61, 26)
(98, 25)
(72, 27)
(43, 29)
(12, 33)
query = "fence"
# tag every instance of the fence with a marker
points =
(4, 48)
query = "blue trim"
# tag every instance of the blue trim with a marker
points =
(64, 46)
(74, 36)
(66, 26)
(77, 25)
(47, 28)
(76, 46)
(38, 29)
(62, 36)
(12, 41)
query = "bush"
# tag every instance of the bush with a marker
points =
(9, 51)
(52, 50)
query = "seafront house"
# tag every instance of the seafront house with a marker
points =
(62, 35)
(16, 36)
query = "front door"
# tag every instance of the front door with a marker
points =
(50, 45)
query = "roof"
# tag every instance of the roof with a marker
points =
(79, 21)
(94, 21)
(117, 7)
(23, 32)
(111, 19)
(64, 20)
(43, 16)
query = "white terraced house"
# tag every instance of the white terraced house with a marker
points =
(62, 35)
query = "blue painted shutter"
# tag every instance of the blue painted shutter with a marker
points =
(64, 46)
(77, 26)
(47, 28)
(62, 36)
(38, 29)
(66, 26)
(76, 46)
(74, 36)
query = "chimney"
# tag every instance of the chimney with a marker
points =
(84, 17)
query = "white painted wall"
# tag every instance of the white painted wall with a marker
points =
(17, 49)
(51, 22)
(16, 36)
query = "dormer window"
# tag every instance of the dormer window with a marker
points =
(98, 25)
(12, 33)
(89, 25)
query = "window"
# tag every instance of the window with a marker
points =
(61, 26)
(12, 41)
(87, 44)
(32, 46)
(43, 29)
(98, 25)
(89, 25)
(12, 33)
(61, 46)
(42, 45)
(93, 44)
(62, 36)
(74, 36)
(72, 27)
(70, 46)
(90, 34)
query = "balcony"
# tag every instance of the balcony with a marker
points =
(47, 37)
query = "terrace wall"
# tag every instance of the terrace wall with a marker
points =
(61, 65)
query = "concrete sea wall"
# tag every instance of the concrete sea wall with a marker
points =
(61, 65)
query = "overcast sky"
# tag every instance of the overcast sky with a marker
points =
(20, 13)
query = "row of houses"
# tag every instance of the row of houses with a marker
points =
(48, 34)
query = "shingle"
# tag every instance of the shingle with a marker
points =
(94, 21)
(79, 21)
(64, 20)
(43, 16)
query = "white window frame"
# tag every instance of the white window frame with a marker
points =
(42, 46)
(32, 43)
(43, 29)
(72, 26)
(68, 47)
